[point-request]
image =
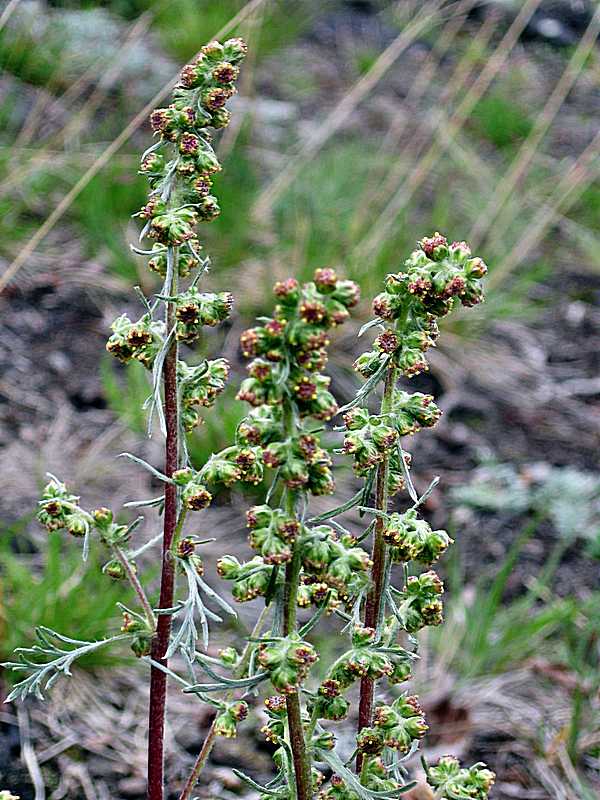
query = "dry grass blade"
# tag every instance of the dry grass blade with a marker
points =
(529, 148)
(43, 156)
(254, 28)
(10, 7)
(337, 117)
(105, 158)
(400, 121)
(456, 84)
(28, 755)
(372, 243)
(577, 178)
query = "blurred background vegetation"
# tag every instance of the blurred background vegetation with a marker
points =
(360, 127)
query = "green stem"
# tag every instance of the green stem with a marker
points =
(373, 604)
(208, 744)
(297, 741)
(136, 585)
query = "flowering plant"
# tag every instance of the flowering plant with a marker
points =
(299, 561)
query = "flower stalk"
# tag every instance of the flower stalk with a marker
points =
(160, 644)
(374, 602)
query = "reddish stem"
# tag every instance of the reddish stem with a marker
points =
(160, 644)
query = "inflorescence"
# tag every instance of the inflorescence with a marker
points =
(298, 561)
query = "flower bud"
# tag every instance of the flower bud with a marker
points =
(228, 567)
(449, 779)
(115, 570)
(141, 636)
(195, 496)
(235, 50)
(325, 280)
(228, 656)
(288, 661)
(419, 604)
(347, 293)
(400, 724)
(228, 718)
(369, 741)
(435, 247)
(140, 340)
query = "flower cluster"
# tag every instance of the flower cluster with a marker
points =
(435, 277)
(451, 780)
(287, 661)
(368, 439)
(289, 349)
(194, 494)
(362, 660)
(58, 509)
(271, 533)
(333, 563)
(200, 385)
(302, 463)
(329, 702)
(141, 635)
(230, 714)
(412, 539)
(400, 724)
(419, 603)
(195, 309)
(411, 412)
(139, 340)
(251, 578)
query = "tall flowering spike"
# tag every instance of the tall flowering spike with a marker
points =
(289, 352)
(180, 169)
(301, 565)
(436, 278)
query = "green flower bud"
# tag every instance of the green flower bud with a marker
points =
(362, 660)
(435, 247)
(402, 671)
(141, 640)
(229, 656)
(140, 340)
(174, 227)
(201, 385)
(228, 567)
(347, 293)
(400, 724)
(288, 661)
(195, 309)
(115, 570)
(234, 50)
(220, 470)
(195, 496)
(419, 604)
(451, 780)
(331, 707)
(227, 719)
(369, 741)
